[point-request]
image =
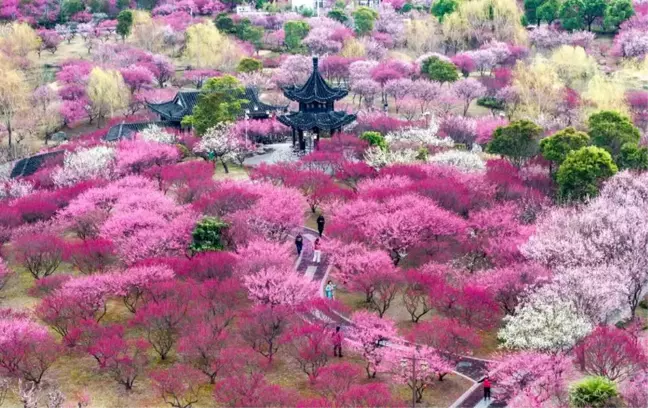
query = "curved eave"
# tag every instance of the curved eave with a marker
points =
(163, 109)
(294, 96)
(322, 121)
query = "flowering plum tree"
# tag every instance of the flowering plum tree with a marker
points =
(276, 287)
(310, 346)
(84, 164)
(612, 353)
(123, 360)
(447, 336)
(178, 385)
(262, 328)
(27, 350)
(162, 322)
(395, 225)
(370, 332)
(417, 368)
(335, 380)
(90, 256)
(40, 254)
(536, 377)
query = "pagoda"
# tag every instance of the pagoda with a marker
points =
(316, 108)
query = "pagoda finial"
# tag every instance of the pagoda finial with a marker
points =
(315, 62)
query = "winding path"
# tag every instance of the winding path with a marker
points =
(470, 368)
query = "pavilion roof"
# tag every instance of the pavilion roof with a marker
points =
(127, 130)
(317, 120)
(177, 108)
(315, 89)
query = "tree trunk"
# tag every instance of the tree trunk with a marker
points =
(9, 132)
(224, 165)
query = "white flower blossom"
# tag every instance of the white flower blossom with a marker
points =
(154, 133)
(547, 321)
(465, 161)
(420, 136)
(85, 164)
(5, 171)
(377, 158)
(15, 189)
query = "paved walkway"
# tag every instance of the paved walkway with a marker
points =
(471, 368)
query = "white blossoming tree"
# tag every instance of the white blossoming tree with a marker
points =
(547, 321)
(154, 133)
(464, 161)
(420, 136)
(85, 164)
(222, 143)
(378, 158)
(15, 189)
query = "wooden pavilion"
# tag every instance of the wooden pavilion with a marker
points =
(316, 108)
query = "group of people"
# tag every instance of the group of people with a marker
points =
(329, 291)
(317, 251)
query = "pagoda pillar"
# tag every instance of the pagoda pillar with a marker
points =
(302, 142)
(294, 136)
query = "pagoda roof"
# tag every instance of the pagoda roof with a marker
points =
(177, 108)
(254, 105)
(315, 89)
(185, 101)
(30, 165)
(127, 130)
(317, 120)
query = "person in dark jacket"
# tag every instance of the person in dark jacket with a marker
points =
(320, 224)
(299, 243)
(337, 342)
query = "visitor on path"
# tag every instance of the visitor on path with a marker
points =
(299, 243)
(320, 224)
(317, 252)
(329, 290)
(337, 342)
(487, 388)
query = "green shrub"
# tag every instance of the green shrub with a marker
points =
(439, 70)
(611, 130)
(295, 32)
(518, 141)
(208, 235)
(491, 102)
(374, 139)
(249, 65)
(583, 172)
(593, 392)
(338, 15)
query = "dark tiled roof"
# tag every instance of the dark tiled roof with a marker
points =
(252, 97)
(315, 89)
(320, 120)
(30, 165)
(127, 130)
(184, 101)
(177, 108)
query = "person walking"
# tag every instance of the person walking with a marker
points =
(329, 290)
(320, 224)
(299, 243)
(317, 252)
(487, 388)
(337, 342)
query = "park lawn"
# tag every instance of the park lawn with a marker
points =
(441, 394)
(236, 172)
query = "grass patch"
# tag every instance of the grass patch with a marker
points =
(236, 172)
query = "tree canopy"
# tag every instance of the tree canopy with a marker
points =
(220, 100)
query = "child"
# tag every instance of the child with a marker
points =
(317, 253)
(329, 289)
